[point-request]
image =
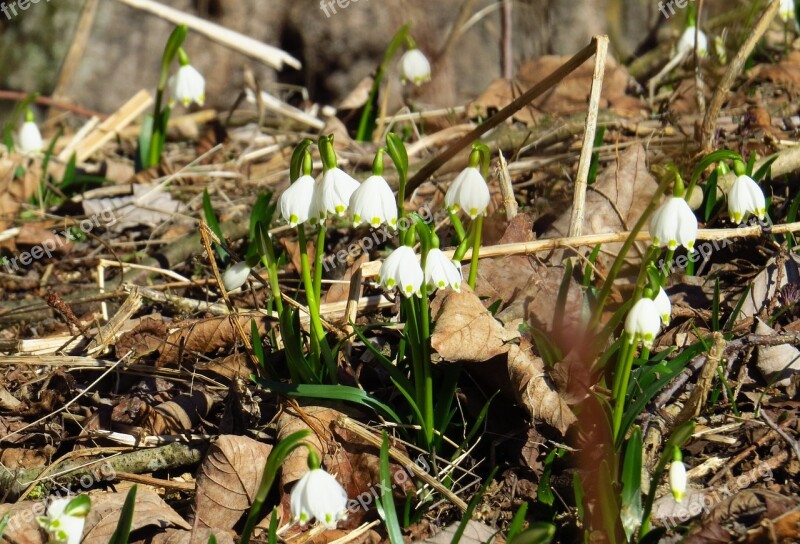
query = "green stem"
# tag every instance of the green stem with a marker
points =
(420, 372)
(272, 270)
(318, 255)
(476, 249)
(317, 332)
(621, 387)
(457, 225)
(425, 344)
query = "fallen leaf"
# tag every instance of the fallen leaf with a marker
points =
(535, 390)
(464, 330)
(227, 481)
(22, 527)
(776, 363)
(474, 533)
(148, 206)
(766, 284)
(197, 536)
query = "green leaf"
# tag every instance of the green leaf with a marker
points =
(631, 508)
(123, 530)
(298, 156)
(276, 457)
(174, 42)
(386, 507)
(212, 539)
(711, 194)
(272, 533)
(213, 224)
(78, 507)
(713, 157)
(4, 524)
(397, 151)
(764, 170)
(544, 493)
(608, 502)
(539, 532)
(517, 522)
(473, 503)
(145, 142)
(299, 368)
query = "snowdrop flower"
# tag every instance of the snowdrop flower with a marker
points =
(674, 224)
(677, 479)
(65, 519)
(373, 202)
(332, 194)
(746, 197)
(295, 202)
(664, 306)
(414, 67)
(29, 139)
(686, 43)
(318, 495)
(235, 276)
(187, 85)
(468, 192)
(441, 272)
(643, 322)
(786, 10)
(401, 269)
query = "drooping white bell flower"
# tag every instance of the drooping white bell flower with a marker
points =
(664, 306)
(643, 322)
(415, 67)
(295, 202)
(318, 495)
(674, 224)
(373, 202)
(235, 276)
(441, 272)
(29, 138)
(745, 196)
(686, 43)
(786, 10)
(332, 194)
(401, 269)
(468, 192)
(187, 85)
(677, 480)
(65, 519)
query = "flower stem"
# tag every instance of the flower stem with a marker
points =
(319, 253)
(621, 380)
(317, 332)
(272, 270)
(476, 249)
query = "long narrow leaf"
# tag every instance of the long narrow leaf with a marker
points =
(473, 503)
(123, 530)
(386, 505)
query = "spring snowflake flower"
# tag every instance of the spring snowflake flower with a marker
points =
(65, 519)
(468, 192)
(677, 480)
(29, 139)
(235, 276)
(664, 306)
(786, 10)
(187, 86)
(441, 272)
(295, 202)
(332, 194)
(415, 67)
(401, 269)
(318, 495)
(686, 43)
(746, 197)
(643, 322)
(674, 224)
(373, 202)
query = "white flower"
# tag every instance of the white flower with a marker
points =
(674, 224)
(441, 272)
(373, 202)
(318, 495)
(643, 321)
(187, 86)
(295, 202)
(401, 269)
(746, 197)
(414, 67)
(29, 139)
(786, 10)
(65, 528)
(235, 276)
(468, 192)
(677, 480)
(332, 194)
(664, 306)
(686, 43)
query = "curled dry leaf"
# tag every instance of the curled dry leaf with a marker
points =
(227, 481)
(150, 510)
(776, 363)
(464, 330)
(535, 390)
(764, 287)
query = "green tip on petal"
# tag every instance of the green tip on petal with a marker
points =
(673, 245)
(339, 209)
(376, 221)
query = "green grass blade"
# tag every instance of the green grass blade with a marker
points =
(123, 530)
(473, 503)
(386, 506)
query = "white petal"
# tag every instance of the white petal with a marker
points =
(332, 194)
(673, 224)
(297, 504)
(664, 305)
(402, 269)
(373, 203)
(643, 321)
(686, 43)
(187, 85)
(235, 276)
(414, 67)
(295, 202)
(29, 139)
(72, 526)
(325, 498)
(468, 192)
(745, 196)
(677, 480)
(441, 272)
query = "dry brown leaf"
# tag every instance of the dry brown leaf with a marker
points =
(613, 203)
(150, 510)
(22, 527)
(474, 533)
(340, 291)
(765, 286)
(776, 363)
(464, 330)
(198, 536)
(784, 72)
(535, 390)
(227, 481)
(14, 192)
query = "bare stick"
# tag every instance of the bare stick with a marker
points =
(224, 36)
(537, 90)
(735, 68)
(581, 182)
(507, 189)
(507, 49)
